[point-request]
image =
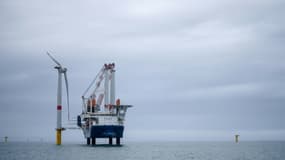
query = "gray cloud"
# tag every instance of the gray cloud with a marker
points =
(188, 67)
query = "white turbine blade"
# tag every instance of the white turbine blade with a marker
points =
(67, 94)
(55, 61)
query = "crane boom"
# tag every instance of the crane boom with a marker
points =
(106, 91)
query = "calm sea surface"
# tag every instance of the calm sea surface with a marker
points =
(145, 151)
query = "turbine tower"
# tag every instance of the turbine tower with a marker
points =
(61, 70)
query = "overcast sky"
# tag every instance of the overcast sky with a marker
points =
(194, 70)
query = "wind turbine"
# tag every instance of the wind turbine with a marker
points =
(61, 70)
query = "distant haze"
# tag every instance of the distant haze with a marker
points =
(194, 70)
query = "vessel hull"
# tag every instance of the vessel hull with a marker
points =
(105, 131)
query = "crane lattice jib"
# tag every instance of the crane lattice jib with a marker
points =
(97, 81)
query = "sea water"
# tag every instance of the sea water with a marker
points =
(145, 151)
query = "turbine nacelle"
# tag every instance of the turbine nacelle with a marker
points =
(60, 69)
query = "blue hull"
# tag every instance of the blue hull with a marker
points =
(106, 131)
